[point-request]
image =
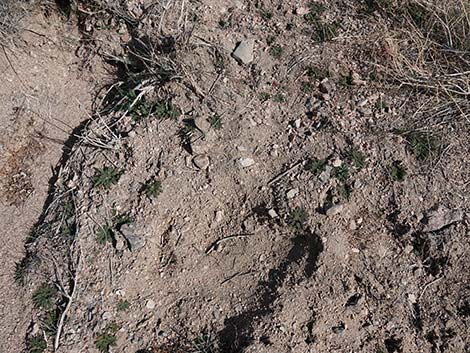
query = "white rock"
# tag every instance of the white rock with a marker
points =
(244, 51)
(219, 215)
(301, 11)
(246, 162)
(292, 193)
(272, 213)
(150, 304)
(337, 163)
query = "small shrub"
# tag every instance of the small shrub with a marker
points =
(166, 110)
(316, 166)
(316, 73)
(397, 171)
(307, 87)
(276, 51)
(106, 176)
(123, 305)
(104, 235)
(153, 188)
(36, 344)
(341, 173)
(107, 338)
(43, 297)
(216, 122)
(50, 322)
(297, 219)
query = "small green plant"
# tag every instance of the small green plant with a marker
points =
(137, 107)
(397, 171)
(153, 188)
(104, 234)
(50, 322)
(316, 73)
(225, 24)
(36, 344)
(166, 110)
(298, 218)
(43, 297)
(266, 15)
(324, 32)
(123, 305)
(276, 51)
(357, 158)
(344, 190)
(107, 338)
(264, 96)
(203, 344)
(106, 176)
(279, 98)
(346, 80)
(422, 144)
(307, 87)
(341, 173)
(216, 122)
(315, 166)
(313, 16)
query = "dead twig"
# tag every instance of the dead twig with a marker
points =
(216, 243)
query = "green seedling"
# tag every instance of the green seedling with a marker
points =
(166, 110)
(341, 173)
(346, 80)
(216, 122)
(50, 322)
(106, 176)
(298, 218)
(107, 338)
(397, 171)
(266, 15)
(279, 98)
(264, 96)
(123, 305)
(43, 297)
(315, 166)
(104, 235)
(21, 269)
(153, 188)
(422, 144)
(357, 158)
(276, 51)
(36, 344)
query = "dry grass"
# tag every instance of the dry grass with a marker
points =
(429, 50)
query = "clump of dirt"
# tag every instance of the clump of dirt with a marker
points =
(253, 181)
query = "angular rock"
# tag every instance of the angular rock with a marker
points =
(244, 51)
(135, 240)
(272, 213)
(246, 162)
(334, 210)
(150, 304)
(325, 86)
(201, 161)
(440, 218)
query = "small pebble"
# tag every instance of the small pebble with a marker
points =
(292, 193)
(201, 161)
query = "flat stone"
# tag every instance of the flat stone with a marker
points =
(244, 51)
(219, 216)
(201, 161)
(334, 210)
(135, 240)
(202, 124)
(246, 162)
(441, 217)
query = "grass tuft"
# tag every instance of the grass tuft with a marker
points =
(43, 297)
(297, 219)
(36, 344)
(153, 188)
